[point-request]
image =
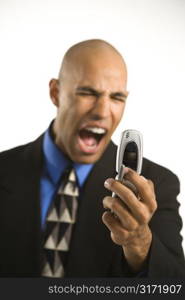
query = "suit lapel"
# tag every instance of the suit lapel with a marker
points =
(91, 238)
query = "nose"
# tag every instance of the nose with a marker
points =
(101, 108)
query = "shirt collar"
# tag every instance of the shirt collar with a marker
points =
(56, 161)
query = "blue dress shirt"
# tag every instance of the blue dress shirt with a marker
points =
(55, 163)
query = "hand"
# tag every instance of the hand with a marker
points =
(129, 216)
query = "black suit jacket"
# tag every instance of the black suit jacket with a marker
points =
(92, 252)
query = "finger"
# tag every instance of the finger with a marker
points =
(139, 210)
(151, 184)
(118, 234)
(118, 208)
(145, 188)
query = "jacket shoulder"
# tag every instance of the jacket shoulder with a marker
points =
(12, 155)
(156, 172)
(19, 155)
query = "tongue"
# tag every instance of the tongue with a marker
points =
(88, 139)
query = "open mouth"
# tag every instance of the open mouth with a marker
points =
(90, 138)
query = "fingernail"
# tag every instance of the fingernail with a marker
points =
(126, 170)
(108, 182)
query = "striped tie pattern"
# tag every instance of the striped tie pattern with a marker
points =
(60, 220)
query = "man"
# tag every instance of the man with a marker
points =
(136, 236)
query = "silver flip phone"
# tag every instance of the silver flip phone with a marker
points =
(129, 154)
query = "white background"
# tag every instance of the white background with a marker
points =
(34, 36)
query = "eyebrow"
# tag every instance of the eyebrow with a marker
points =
(95, 92)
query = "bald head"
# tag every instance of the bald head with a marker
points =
(86, 51)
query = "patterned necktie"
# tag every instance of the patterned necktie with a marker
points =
(59, 224)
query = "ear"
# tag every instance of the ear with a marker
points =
(54, 91)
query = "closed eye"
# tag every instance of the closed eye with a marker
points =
(86, 91)
(86, 94)
(119, 98)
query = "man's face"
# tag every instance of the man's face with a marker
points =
(90, 103)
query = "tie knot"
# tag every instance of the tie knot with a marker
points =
(69, 183)
(69, 174)
(72, 175)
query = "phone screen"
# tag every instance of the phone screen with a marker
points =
(131, 155)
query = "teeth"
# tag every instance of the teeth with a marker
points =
(96, 130)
